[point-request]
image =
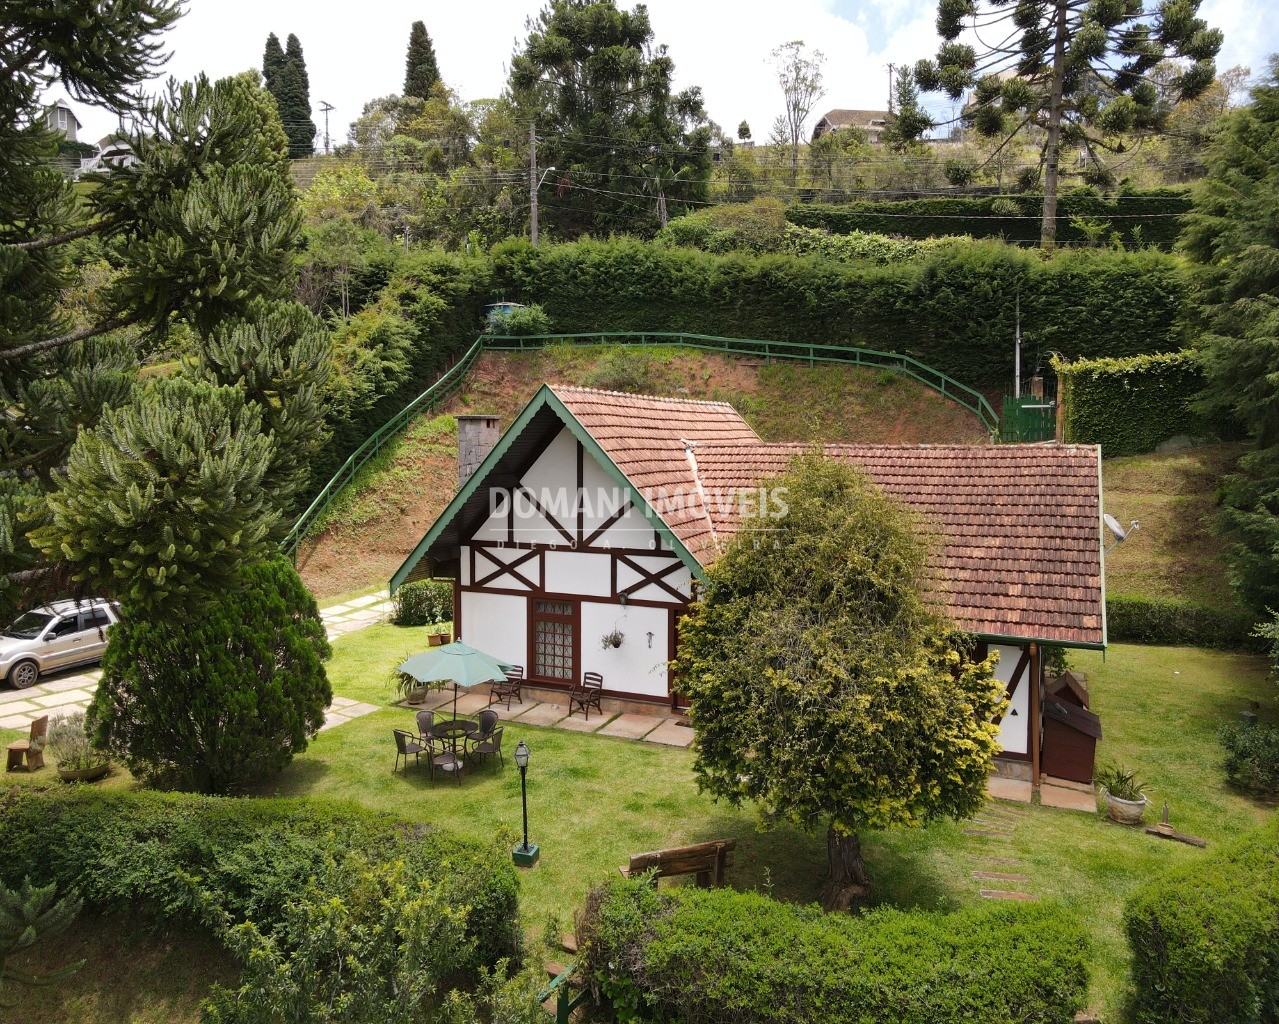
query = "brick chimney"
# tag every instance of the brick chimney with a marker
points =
(476, 436)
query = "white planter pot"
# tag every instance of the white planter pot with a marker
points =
(1126, 812)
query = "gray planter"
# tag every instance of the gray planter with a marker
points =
(84, 774)
(1126, 812)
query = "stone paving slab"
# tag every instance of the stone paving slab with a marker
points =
(1067, 799)
(359, 710)
(1078, 787)
(69, 683)
(48, 700)
(15, 722)
(332, 721)
(343, 702)
(20, 707)
(1000, 876)
(544, 714)
(1004, 894)
(1009, 789)
(12, 696)
(336, 609)
(671, 734)
(368, 599)
(468, 703)
(631, 726)
(575, 724)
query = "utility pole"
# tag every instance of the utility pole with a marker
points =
(1017, 353)
(891, 69)
(326, 106)
(532, 182)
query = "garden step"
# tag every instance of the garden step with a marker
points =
(999, 860)
(1007, 826)
(568, 942)
(985, 832)
(1005, 894)
(554, 970)
(999, 876)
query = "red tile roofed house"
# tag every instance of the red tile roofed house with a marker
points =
(541, 575)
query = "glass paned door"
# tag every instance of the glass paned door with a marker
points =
(555, 640)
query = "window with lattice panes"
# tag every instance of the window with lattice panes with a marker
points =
(554, 640)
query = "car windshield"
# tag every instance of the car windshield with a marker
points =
(29, 625)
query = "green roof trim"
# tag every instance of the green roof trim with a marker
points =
(545, 398)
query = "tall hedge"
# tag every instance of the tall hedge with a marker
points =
(1148, 217)
(324, 904)
(1130, 405)
(693, 955)
(953, 309)
(1205, 937)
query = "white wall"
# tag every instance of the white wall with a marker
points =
(496, 624)
(634, 667)
(1014, 730)
(575, 572)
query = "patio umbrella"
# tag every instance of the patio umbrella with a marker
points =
(458, 663)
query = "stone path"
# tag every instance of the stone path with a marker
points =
(654, 728)
(68, 692)
(996, 875)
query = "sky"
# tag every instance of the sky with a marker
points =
(355, 52)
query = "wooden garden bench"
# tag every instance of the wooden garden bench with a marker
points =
(705, 860)
(30, 750)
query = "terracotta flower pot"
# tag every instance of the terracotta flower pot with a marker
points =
(437, 639)
(1126, 812)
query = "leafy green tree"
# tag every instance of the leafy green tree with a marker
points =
(215, 701)
(292, 92)
(29, 915)
(421, 73)
(625, 147)
(1079, 70)
(1230, 234)
(272, 63)
(823, 685)
(799, 73)
(743, 131)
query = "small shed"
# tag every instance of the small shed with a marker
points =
(1071, 731)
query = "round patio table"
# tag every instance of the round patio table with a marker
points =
(451, 730)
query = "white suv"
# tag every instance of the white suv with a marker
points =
(55, 636)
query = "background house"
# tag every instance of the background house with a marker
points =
(61, 118)
(596, 511)
(872, 122)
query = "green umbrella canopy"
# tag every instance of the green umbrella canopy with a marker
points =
(455, 663)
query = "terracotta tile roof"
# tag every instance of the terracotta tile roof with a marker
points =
(648, 439)
(1020, 524)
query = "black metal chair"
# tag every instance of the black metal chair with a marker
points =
(405, 744)
(508, 689)
(586, 695)
(488, 722)
(447, 761)
(491, 744)
(425, 719)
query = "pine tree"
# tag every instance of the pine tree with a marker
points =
(908, 121)
(420, 70)
(293, 98)
(1079, 70)
(28, 915)
(272, 63)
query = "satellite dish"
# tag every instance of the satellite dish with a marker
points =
(1112, 524)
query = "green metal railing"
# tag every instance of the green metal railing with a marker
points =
(431, 398)
(792, 351)
(565, 1001)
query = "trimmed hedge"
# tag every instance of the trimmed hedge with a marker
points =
(423, 603)
(1145, 620)
(1252, 756)
(1129, 406)
(1148, 217)
(1205, 938)
(954, 309)
(694, 955)
(317, 900)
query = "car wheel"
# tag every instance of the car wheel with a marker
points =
(24, 674)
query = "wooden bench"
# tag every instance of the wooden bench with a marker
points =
(31, 750)
(705, 860)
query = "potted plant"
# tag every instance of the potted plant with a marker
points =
(437, 639)
(73, 752)
(612, 640)
(408, 688)
(1125, 802)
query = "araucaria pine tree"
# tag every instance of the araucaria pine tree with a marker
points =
(292, 92)
(272, 63)
(421, 73)
(1077, 69)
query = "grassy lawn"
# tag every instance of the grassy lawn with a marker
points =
(595, 800)
(1177, 553)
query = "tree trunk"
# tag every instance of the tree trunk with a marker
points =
(846, 880)
(1052, 148)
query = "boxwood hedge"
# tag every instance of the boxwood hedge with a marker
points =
(1205, 937)
(325, 904)
(693, 955)
(1146, 620)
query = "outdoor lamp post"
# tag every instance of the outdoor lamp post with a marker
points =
(524, 855)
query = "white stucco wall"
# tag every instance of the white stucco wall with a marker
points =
(496, 624)
(575, 572)
(635, 667)
(1014, 730)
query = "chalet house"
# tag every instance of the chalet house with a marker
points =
(872, 122)
(61, 118)
(113, 151)
(595, 512)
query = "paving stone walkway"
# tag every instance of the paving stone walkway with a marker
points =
(67, 692)
(655, 728)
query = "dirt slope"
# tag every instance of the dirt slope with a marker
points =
(384, 514)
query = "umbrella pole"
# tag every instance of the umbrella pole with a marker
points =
(455, 701)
